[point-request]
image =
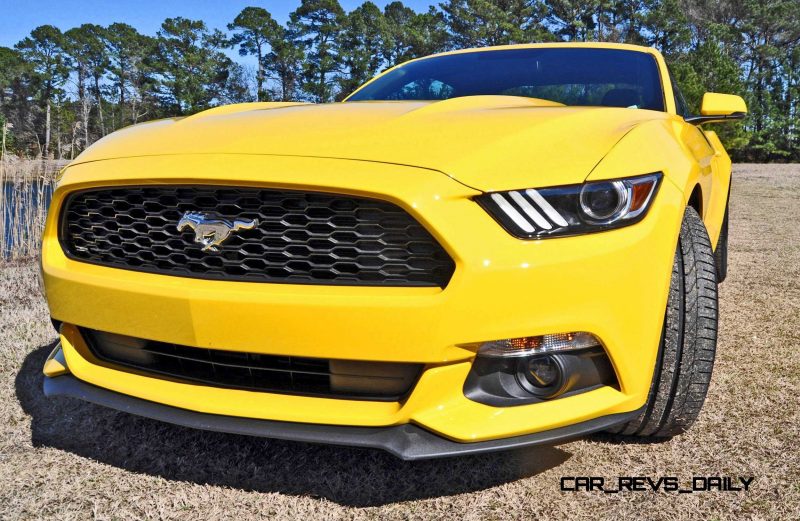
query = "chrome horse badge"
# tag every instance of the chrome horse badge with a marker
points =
(213, 231)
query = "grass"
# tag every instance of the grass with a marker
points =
(61, 458)
(23, 184)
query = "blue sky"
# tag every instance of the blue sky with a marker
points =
(20, 16)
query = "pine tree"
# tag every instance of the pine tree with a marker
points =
(479, 23)
(43, 50)
(255, 31)
(316, 24)
(192, 71)
(364, 42)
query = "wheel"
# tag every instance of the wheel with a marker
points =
(721, 253)
(688, 340)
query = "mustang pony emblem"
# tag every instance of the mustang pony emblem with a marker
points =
(213, 231)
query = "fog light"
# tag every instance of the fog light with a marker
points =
(543, 376)
(529, 345)
(542, 371)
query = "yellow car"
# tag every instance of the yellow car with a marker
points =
(477, 250)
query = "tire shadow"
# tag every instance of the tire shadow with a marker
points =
(347, 476)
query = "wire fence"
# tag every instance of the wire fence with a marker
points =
(27, 186)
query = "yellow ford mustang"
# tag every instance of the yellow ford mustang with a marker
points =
(477, 250)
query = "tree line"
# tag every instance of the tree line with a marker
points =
(61, 91)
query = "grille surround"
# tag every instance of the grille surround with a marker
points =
(303, 237)
(292, 375)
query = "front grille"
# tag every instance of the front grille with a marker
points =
(301, 237)
(379, 381)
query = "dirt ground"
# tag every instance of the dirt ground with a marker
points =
(61, 458)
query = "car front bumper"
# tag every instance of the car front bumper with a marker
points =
(405, 441)
(613, 285)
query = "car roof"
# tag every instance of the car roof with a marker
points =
(563, 45)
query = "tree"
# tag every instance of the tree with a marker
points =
(620, 21)
(429, 33)
(256, 30)
(192, 72)
(573, 20)
(479, 23)
(12, 71)
(120, 76)
(666, 27)
(759, 38)
(131, 57)
(316, 24)
(413, 34)
(85, 45)
(236, 88)
(14, 93)
(398, 19)
(770, 32)
(44, 52)
(364, 43)
(285, 61)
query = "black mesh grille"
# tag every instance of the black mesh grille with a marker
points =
(301, 237)
(380, 381)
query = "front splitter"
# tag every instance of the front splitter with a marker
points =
(406, 441)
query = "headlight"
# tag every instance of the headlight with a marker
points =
(574, 209)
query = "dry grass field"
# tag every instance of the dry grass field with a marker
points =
(65, 459)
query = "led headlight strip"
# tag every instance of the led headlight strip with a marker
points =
(572, 209)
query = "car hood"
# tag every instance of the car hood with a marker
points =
(486, 142)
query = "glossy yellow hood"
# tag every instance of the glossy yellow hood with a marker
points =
(485, 142)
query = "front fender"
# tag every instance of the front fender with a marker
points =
(684, 155)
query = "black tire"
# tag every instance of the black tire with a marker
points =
(721, 253)
(688, 340)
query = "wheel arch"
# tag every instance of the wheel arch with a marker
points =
(696, 200)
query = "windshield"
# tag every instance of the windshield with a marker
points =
(599, 77)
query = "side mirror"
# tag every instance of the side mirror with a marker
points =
(719, 107)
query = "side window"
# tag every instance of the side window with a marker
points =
(680, 103)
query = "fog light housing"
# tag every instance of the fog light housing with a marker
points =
(519, 371)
